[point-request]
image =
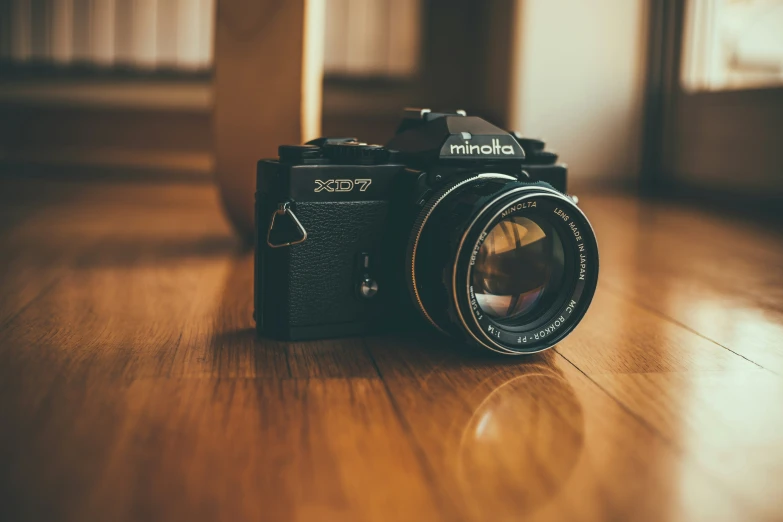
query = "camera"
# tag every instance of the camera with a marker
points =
(454, 223)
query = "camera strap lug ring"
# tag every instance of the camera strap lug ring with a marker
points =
(284, 209)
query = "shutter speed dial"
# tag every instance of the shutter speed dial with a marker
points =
(355, 153)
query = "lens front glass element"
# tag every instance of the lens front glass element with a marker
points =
(518, 268)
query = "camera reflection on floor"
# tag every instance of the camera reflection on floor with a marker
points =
(132, 384)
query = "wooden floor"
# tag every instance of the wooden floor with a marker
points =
(132, 386)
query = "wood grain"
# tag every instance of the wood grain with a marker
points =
(132, 386)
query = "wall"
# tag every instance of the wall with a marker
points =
(579, 83)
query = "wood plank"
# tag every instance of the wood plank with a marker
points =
(537, 439)
(718, 275)
(36, 250)
(41, 242)
(202, 449)
(727, 424)
(618, 335)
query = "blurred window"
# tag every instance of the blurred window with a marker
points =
(372, 38)
(364, 38)
(732, 44)
(136, 34)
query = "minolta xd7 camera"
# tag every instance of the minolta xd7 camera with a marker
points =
(455, 222)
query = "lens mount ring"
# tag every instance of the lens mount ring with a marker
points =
(491, 328)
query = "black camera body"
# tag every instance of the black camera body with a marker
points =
(350, 236)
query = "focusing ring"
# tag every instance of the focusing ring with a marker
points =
(418, 228)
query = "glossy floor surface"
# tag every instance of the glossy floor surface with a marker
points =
(132, 386)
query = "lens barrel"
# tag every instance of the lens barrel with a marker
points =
(511, 266)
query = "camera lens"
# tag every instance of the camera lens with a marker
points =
(519, 266)
(509, 265)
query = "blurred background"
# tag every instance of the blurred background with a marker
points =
(662, 96)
